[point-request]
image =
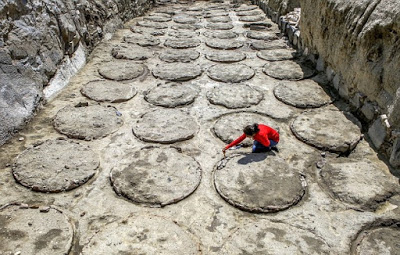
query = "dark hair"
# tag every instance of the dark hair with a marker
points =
(251, 129)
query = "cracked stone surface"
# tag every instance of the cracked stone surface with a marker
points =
(108, 91)
(172, 94)
(168, 71)
(288, 70)
(176, 125)
(88, 122)
(235, 96)
(120, 70)
(328, 129)
(27, 230)
(234, 74)
(157, 177)
(55, 166)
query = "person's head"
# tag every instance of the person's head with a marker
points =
(251, 130)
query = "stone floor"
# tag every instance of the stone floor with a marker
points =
(128, 158)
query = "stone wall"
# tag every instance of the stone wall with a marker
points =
(36, 36)
(357, 44)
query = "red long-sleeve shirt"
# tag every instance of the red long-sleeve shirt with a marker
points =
(263, 136)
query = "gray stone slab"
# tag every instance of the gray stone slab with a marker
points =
(152, 24)
(224, 44)
(90, 122)
(382, 240)
(265, 237)
(183, 56)
(177, 71)
(259, 182)
(147, 31)
(108, 91)
(30, 231)
(261, 35)
(158, 18)
(120, 70)
(302, 94)
(252, 18)
(250, 13)
(230, 126)
(131, 52)
(55, 166)
(185, 19)
(360, 183)
(221, 34)
(219, 26)
(172, 95)
(142, 235)
(233, 73)
(220, 19)
(157, 177)
(144, 41)
(215, 14)
(165, 126)
(245, 7)
(226, 56)
(183, 34)
(277, 54)
(327, 129)
(268, 45)
(190, 27)
(235, 96)
(182, 43)
(288, 70)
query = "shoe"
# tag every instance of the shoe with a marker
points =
(275, 149)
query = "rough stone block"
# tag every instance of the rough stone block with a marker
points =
(356, 100)
(296, 39)
(369, 110)
(320, 64)
(395, 156)
(337, 81)
(329, 73)
(378, 131)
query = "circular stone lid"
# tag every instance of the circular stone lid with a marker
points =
(288, 70)
(90, 122)
(302, 94)
(252, 18)
(182, 43)
(250, 13)
(184, 56)
(147, 31)
(224, 44)
(172, 95)
(268, 45)
(233, 73)
(131, 52)
(157, 25)
(257, 182)
(220, 34)
(39, 231)
(219, 26)
(277, 54)
(185, 19)
(142, 235)
(142, 41)
(218, 13)
(183, 34)
(158, 18)
(157, 177)
(55, 166)
(120, 70)
(187, 27)
(327, 129)
(360, 183)
(258, 35)
(225, 56)
(244, 7)
(230, 126)
(383, 240)
(234, 96)
(108, 91)
(165, 126)
(220, 19)
(177, 71)
(266, 237)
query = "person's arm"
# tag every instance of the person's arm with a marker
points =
(237, 141)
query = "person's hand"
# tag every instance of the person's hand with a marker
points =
(223, 151)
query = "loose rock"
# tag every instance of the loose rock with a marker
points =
(165, 126)
(87, 123)
(108, 91)
(169, 72)
(172, 95)
(234, 74)
(235, 96)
